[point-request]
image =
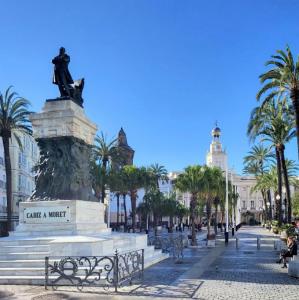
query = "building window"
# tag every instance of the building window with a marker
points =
(252, 206)
(244, 204)
(19, 183)
(20, 158)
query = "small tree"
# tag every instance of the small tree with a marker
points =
(14, 119)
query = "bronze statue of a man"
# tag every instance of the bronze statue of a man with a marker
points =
(62, 77)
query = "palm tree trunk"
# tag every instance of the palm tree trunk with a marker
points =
(209, 217)
(287, 185)
(8, 183)
(155, 224)
(216, 219)
(133, 206)
(193, 233)
(265, 203)
(103, 193)
(171, 224)
(117, 214)
(125, 210)
(294, 95)
(270, 206)
(278, 215)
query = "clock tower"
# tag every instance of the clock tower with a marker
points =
(216, 157)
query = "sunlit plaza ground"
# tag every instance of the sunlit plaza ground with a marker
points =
(223, 272)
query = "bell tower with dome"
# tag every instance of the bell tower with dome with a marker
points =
(216, 157)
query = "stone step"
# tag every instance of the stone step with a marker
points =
(26, 280)
(23, 248)
(38, 263)
(21, 271)
(24, 255)
(23, 242)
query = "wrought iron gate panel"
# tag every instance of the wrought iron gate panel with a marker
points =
(97, 271)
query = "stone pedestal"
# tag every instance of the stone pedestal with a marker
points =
(60, 217)
(65, 137)
(60, 118)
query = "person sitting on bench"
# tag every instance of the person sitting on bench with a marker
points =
(290, 252)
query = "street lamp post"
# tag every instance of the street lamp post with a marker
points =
(278, 209)
(233, 204)
(226, 205)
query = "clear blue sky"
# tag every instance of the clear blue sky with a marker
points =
(164, 70)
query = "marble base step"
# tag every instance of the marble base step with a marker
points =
(24, 256)
(23, 249)
(23, 280)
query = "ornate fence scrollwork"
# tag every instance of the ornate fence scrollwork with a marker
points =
(96, 271)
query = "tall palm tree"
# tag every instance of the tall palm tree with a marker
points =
(213, 177)
(14, 119)
(159, 173)
(256, 163)
(144, 210)
(115, 184)
(155, 202)
(170, 209)
(282, 79)
(274, 125)
(191, 181)
(133, 178)
(104, 152)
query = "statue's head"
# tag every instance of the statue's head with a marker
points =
(61, 50)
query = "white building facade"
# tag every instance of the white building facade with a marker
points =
(23, 159)
(250, 204)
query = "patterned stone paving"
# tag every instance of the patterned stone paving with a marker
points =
(219, 273)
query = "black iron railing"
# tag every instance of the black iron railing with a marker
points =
(172, 244)
(94, 271)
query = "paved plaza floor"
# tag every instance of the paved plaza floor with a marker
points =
(223, 272)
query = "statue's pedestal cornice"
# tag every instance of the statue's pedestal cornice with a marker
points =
(63, 118)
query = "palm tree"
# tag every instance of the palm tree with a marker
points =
(181, 212)
(155, 201)
(14, 119)
(274, 125)
(159, 173)
(133, 178)
(191, 181)
(259, 155)
(144, 210)
(282, 79)
(212, 187)
(170, 209)
(256, 163)
(104, 152)
(116, 186)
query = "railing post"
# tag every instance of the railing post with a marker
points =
(46, 272)
(115, 272)
(258, 243)
(237, 243)
(142, 267)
